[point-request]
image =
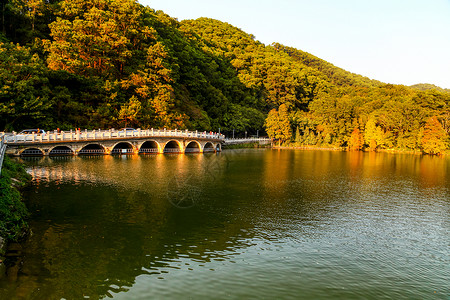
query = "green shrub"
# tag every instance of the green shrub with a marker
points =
(13, 212)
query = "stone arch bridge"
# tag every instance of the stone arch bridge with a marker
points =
(98, 142)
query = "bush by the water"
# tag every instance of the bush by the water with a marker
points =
(13, 212)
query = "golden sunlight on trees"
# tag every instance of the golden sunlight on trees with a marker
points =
(356, 140)
(102, 40)
(277, 124)
(434, 137)
(370, 134)
(129, 112)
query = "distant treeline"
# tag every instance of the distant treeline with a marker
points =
(110, 63)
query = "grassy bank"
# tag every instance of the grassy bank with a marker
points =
(13, 213)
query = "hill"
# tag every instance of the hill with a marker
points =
(428, 86)
(323, 104)
(109, 63)
(336, 75)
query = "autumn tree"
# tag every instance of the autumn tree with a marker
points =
(129, 111)
(370, 134)
(278, 125)
(298, 137)
(434, 137)
(102, 39)
(356, 140)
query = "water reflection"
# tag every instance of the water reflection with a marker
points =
(102, 222)
(258, 223)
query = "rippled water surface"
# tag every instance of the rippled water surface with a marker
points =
(242, 224)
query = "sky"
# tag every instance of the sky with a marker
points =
(394, 41)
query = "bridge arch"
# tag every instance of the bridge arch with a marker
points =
(150, 147)
(92, 149)
(122, 148)
(219, 147)
(193, 147)
(61, 150)
(209, 147)
(32, 152)
(172, 146)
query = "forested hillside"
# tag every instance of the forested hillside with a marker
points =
(110, 63)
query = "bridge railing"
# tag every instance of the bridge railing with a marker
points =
(262, 140)
(83, 135)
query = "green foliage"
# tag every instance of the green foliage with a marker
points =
(13, 212)
(24, 94)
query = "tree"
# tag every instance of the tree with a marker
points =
(356, 140)
(129, 112)
(328, 139)
(24, 94)
(102, 40)
(434, 137)
(370, 134)
(278, 125)
(298, 137)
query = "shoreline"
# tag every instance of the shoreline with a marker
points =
(308, 148)
(392, 151)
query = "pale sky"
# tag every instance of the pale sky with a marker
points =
(394, 41)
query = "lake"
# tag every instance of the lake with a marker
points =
(241, 224)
